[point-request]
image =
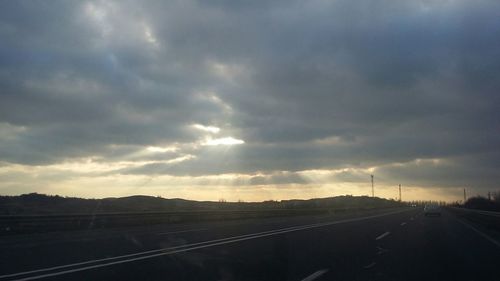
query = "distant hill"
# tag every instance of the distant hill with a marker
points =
(40, 204)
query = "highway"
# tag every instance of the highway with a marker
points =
(397, 244)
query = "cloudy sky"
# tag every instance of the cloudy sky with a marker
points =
(250, 100)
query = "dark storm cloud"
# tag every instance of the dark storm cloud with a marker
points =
(76, 99)
(464, 171)
(309, 84)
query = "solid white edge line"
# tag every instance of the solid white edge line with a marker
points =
(182, 248)
(149, 256)
(248, 237)
(131, 255)
(382, 235)
(315, 275)
(479, 232)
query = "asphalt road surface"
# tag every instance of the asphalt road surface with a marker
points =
(398, 244)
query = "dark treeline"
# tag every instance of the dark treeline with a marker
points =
(490, 203)
(482, 203)
(40, 204)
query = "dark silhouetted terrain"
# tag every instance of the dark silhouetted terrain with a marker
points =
(481, 203)
(32, 213)
(40, 204)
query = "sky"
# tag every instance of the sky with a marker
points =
(250, 100)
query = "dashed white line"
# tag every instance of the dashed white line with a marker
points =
(382, 235)
(315, 275)
(370, 265)
(381, 250)
(403, 223)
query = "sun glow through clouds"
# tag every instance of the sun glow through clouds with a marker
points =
(210, 129)
(105, 93)
(160, 149)
(222, 141)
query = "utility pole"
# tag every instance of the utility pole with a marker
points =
(373, 190)
(400, 193)
(465, 196)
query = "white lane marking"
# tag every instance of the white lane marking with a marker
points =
(381, 250)
(160, 250)
(181, 248)
(145, 257)
(482, 234)
(382, 235)
(182, 231)
(133, 255)
(489, 213)
(143, 253)
(403, 223)
(370, 265)
(315, 275)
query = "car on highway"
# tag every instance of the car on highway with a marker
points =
(432, 210)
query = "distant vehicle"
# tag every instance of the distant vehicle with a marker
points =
(432, 210)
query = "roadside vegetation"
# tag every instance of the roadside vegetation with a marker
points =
(483, 203)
